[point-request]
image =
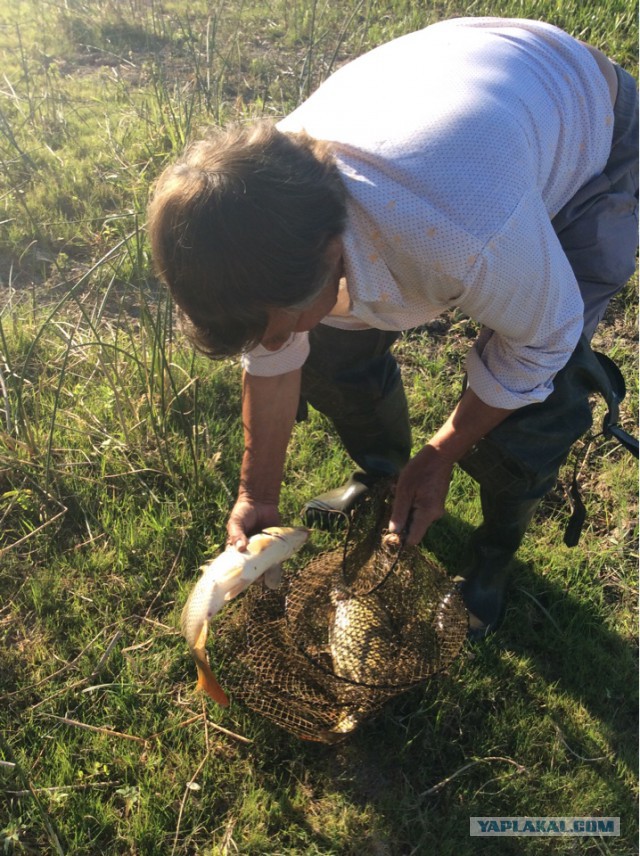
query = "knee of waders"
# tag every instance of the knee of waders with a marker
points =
(501, 473)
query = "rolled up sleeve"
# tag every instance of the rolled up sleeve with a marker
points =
(523, 291)
(291, 356)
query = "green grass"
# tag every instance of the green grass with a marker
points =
(119, 457)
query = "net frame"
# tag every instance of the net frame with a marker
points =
(343, 634)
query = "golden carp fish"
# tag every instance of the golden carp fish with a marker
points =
(361, 641)
(223, 579)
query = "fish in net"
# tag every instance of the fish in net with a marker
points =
(344, 634)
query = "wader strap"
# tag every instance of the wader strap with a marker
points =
(613, 394)
(613, 390)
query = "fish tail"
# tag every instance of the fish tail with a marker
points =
(207, 682)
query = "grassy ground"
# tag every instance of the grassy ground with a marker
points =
(119, 454)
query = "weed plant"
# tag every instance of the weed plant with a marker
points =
(119, 458)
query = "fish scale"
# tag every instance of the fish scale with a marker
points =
(360, 637)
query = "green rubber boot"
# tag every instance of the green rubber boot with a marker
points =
(331, 510)
(492, 547)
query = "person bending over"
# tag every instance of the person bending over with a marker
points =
(481, 163)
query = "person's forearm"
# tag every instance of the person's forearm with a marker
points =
(269, 407)
(470, 420)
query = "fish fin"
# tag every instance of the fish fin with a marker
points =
(207, 682)
(201, 641)
(273, 576)
(346, 723)
(232, 571)
(236, 590)
(206, 679)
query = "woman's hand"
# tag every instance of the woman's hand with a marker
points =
(248, 517)
(424, 482)
(420, 494)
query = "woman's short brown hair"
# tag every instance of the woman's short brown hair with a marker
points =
(240, 224)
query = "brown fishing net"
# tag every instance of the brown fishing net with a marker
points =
(339, 637)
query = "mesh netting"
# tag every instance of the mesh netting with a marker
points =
(344, 634)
